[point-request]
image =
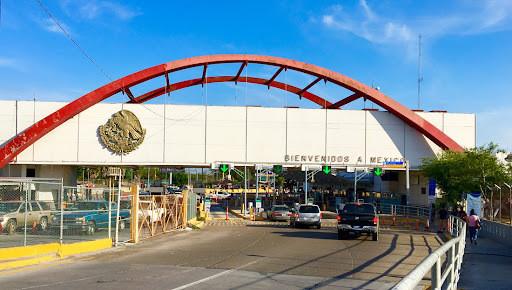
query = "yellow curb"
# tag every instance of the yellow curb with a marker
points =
(84, 247)
(27, 262)
(31, 255)
(195, 224)
(28, 251)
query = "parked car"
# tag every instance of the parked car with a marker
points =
(221, 195)
(279, 213)
(90, 216)
(306, 215)
(358, 218)
(12, 215)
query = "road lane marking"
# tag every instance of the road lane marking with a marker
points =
(214, 276)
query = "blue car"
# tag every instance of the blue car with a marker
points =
(90, 216)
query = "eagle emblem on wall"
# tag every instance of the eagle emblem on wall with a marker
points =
(122, 133)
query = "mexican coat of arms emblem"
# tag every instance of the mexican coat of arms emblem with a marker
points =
(122, 133)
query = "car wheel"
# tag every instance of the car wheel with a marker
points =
(43, 223)
(91, 228)
(375, 236)
(340, 235)
(10, 228)
(319, 226)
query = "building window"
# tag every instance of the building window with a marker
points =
(31, 172)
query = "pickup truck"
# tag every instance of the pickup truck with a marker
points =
(90, 216)
(358, 218)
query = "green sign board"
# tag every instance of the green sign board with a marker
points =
(326, 169)
(277, 169)
(378, 171)
(224, 168)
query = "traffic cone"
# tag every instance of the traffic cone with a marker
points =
(227, 214)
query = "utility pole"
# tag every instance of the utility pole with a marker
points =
(420, 77)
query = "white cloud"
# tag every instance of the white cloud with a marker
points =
(470, 18)
(50, 26)
(93, 9)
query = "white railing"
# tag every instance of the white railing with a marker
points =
(444, 264)
(497, 231)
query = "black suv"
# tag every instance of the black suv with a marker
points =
(358, 218)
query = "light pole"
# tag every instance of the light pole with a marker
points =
(500, 199)
(509, 202)
(491, 205)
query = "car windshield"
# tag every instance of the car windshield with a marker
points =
(9, 206)
(90, 205)
(279, 208)
(358, 209)
(309, 209)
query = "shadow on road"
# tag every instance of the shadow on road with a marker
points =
(314, 234)
(303, 264)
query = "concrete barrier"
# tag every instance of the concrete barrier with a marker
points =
(499, 232)
(31, 255)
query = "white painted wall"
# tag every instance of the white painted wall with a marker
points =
(199, 135)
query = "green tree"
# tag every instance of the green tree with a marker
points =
(461, 172)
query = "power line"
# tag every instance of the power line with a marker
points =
(70, 38)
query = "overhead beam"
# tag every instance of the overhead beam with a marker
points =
(240, 72)
(309, 86)
(219, 79)
(203, 78)
(129, 93)
(345, 101)
(167, 83)
(274, 76)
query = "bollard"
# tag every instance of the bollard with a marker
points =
(427, 225)
(393, 224)
(34, 227)
(227, 214)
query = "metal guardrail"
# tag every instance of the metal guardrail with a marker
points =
(444, 273)
(497, 231)
(405, 210)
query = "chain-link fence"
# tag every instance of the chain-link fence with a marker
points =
(37, 211)
(497, 204)
(27, 208)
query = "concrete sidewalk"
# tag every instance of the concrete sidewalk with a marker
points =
(487, 265)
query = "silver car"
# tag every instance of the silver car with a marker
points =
(12, 215)
(306, 215)
(279, 213)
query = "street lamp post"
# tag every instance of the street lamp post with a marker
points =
(491, 203)
(509, 202)
(500, 200)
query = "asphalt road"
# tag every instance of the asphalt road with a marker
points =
(237, 256)
(218, 211)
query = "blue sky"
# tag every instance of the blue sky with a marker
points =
(467, 64)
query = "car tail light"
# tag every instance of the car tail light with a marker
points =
(338, 218)
(321, 217)
(375, 220)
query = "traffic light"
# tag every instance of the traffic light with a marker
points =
(378, 171)
(326, 169)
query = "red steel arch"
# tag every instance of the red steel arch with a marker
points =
(10, 149)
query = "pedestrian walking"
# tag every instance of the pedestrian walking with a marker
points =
(461, 213)
(474, 225)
